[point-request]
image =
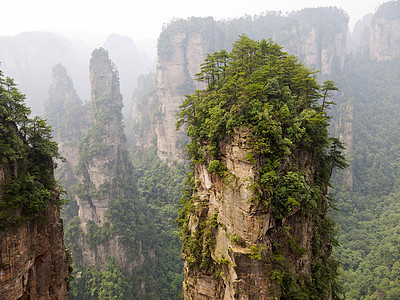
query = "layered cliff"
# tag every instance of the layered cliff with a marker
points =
(182, 48)
(254, 221)
(385, 32)
(316, 36)
(33, 260)
(69, 119)
(107, 222)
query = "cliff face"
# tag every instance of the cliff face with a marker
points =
(175, 79)
(33, 262)
(238, 227)
(253, 221)
(385, 38)
(69, 120)
(317, 36)
(245, 235)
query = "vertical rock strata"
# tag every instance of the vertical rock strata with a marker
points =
(316, 36)
(33, 262)
(385, 32)
(103, 161)
(254, 221)
(175, 78)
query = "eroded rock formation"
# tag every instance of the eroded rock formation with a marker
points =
(69, 120)
(33, 263)
(249, 244)
(316, 36)
(103, 149)
(385, 32)
(175, 78)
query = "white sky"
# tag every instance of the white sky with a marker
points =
(144, 19)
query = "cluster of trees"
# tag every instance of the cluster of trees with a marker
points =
(279, 104)
(27, 158)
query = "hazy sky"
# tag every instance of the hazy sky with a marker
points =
(143, 19)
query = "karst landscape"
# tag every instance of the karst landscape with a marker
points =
(254, 158)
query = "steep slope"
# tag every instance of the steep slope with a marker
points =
(33, 260)
(316, 36)
(385, 32)
(253, 220)
(111, 232)
(182, 48)
(69, 120)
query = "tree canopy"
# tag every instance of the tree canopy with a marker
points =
(266, 93)
(27, 154)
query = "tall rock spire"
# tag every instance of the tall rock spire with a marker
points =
(103, 159)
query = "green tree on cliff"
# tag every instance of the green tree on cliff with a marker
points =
(27, 155)
(279, 103)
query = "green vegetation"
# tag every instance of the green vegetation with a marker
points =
(142, 194)
(287, 30)
(271, 97)
(369, 207)
(27, 158)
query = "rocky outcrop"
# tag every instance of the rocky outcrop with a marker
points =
(33, 262)
(103, 149)
(253, 220)
(69, 120)
(175, 79)
(385, 32)
(317, 36)
(244, 234)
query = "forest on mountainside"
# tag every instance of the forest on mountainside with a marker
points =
(368, 209)
(144, 182)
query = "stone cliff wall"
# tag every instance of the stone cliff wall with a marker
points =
(385, 39)
(175, 79)
(33, 262)
(317, 36)
(244, 235)
(69, 120)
